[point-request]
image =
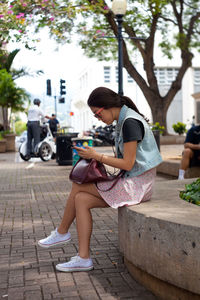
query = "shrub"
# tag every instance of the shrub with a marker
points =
(20, 126)
(192, 192)
(4, 132)
(157, 126)
(179, 128)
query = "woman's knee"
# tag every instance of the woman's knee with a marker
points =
(85, 200)
(80, 200)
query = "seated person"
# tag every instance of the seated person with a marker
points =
(191, 152)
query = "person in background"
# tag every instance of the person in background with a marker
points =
(136, 153)
(53, 124)
(35, 114)
(191, 152)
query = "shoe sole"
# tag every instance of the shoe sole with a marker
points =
(54, 245)
(74, 269)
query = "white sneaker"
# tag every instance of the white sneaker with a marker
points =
(76, 264)
(55, 239)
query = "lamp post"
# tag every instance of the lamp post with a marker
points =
(119, 9)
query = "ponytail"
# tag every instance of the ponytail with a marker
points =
(128, 102)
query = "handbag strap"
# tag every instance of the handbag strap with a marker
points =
(118, 176)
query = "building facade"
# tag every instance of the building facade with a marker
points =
(95, 74)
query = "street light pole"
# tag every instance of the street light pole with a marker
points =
(55, 105)
(119, 9)
(120, 55)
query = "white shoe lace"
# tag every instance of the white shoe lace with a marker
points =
(75, 258)
(52, 235)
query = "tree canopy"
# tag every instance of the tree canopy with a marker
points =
(176, 22)
(20, 18)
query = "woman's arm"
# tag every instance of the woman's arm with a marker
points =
(125, 163)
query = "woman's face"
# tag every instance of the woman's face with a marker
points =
(102, 114)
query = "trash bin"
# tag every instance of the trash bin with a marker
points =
(156, 134)
(80, 142)
(64, 148)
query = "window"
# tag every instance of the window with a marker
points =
(116, 74)
(197, 76)
(106, 74)
(129, 78)
(165, 76)
(198, 112)
(83, 80)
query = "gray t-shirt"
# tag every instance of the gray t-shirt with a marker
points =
(133, 130)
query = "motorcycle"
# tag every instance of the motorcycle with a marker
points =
(102, 136)
(45, 149)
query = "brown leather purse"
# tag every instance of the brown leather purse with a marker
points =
(92, 171)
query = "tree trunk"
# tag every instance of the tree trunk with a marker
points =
(159, 114)
(5, 118)
(149, 86)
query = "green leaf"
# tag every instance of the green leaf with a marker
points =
(192, 192)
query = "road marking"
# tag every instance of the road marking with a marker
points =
(30, 166)
(33, 195)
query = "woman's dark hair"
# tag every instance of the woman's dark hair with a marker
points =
(104, 97)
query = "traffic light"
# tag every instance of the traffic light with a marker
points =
(62, 100)
(48, 87)
(62, 87)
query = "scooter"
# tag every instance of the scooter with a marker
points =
(45, 149)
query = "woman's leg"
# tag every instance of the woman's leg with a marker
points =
(70, 211)
(85, 201)
(88, 197)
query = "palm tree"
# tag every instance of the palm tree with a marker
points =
(11, 97)
(6, 62)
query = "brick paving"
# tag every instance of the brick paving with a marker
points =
(32, 201)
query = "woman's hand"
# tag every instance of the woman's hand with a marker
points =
(125, 163)
(87, 152)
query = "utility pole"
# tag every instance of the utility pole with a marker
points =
(55, 105)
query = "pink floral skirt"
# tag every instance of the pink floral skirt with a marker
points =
(128, 191)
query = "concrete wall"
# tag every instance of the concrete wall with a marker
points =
(161, 239)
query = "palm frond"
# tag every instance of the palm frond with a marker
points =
(10, 58)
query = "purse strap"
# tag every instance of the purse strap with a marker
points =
(117, 177)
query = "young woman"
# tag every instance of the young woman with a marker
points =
(136, 153)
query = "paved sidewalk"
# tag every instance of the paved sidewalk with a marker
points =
(171, 152)
(32, 200)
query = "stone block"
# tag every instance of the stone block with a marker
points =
(161, 238)
(171, 167)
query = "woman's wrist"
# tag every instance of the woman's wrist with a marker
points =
(101, 158)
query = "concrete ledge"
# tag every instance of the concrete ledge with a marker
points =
(172, 139)
(171, 167)
(160, 242)
(160, 288)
